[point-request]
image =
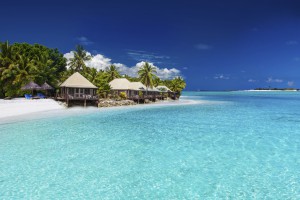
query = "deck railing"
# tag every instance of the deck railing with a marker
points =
(82, 97)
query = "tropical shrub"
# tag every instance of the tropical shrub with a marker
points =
(140, 94)
(123, 95)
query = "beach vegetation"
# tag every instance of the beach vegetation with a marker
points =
(147, 74)
(77, 63)
(21, 63)
(123, 95)
(140, 94)
(112, 73)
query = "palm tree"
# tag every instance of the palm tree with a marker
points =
(156, 81)
(43, 70)
(22, 71)
(91, 74)
(7, 56)
(147, 74)
(112, 73)
(77, 63)
(177, 84)
(7, 68)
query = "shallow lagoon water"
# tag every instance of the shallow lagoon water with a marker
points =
(242, 145)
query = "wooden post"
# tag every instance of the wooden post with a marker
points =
(84, 101)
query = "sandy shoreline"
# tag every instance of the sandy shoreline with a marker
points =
(23, 109)
(22, 106)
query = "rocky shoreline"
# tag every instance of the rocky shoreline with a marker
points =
(113, 103)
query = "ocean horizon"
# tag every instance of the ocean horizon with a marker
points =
(207, 145)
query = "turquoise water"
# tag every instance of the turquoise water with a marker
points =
(243, 145)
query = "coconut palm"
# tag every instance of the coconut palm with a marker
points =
(43, 70)
(77, 63)
(7, 68)
(91, 74)
(177, 84)
(7, 56)
(112, 73)
(22, 70)
(147, 74)
(157, 81)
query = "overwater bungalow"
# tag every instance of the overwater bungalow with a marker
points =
(77, 90)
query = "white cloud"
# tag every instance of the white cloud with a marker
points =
(203, 46)
(271, 80)
(163, 73)
(221, 76)
(252, 80)
(84, 41)
(291, 42)
(147, 56)
(100, 62)
(297, 59)
(290, 83)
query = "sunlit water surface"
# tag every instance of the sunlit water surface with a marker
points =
(234, 145)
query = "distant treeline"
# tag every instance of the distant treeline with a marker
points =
(276, 89)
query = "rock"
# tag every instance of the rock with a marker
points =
(112, 103)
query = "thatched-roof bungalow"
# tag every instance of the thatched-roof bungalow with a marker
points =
(133, 90)
(163, 88)
(78, 88)
(153, 93)
(166, 92)
(137, 90)
(119, 85)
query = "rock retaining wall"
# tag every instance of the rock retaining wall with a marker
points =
(113, 103)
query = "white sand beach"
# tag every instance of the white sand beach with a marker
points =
(22, 106)
(22, 109)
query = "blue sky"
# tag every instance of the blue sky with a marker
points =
(214, 45)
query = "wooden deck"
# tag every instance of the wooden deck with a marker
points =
(83, 100)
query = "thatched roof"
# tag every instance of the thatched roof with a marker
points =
(154, 89)
(120, 84)
(77, 81)
(31, 86)
(163, 88)
(137, 86)
(46, 86)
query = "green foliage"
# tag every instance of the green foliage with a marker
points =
(77, 62)
(123, 95)
(157, 81)
(22, 62)
(147, 74)
(112, 73)
(140, 94)
(162, 89)
(131, 79)
(176, 85)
